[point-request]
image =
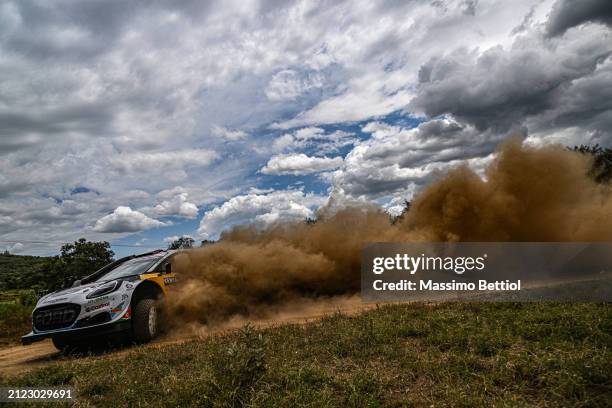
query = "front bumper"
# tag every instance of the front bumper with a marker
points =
(81, 333)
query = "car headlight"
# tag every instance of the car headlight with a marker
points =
(104, 289)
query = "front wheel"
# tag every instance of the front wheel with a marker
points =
(60, 343)
(145, 320)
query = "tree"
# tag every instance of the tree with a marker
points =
(87, 254)
(601, 169)
(184, 242)
(75, 261)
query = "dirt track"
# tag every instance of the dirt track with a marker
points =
(17, 359)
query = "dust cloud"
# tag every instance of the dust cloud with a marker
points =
(527, 194)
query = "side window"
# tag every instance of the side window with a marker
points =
(165, 267)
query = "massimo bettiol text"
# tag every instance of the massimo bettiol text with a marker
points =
(529, 271)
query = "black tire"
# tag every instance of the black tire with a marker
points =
(60, 343)
(145, 320)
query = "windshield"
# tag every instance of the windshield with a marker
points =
(129, 268)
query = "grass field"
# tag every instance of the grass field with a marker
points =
(16, 302)
(455, 354)
(15, 310)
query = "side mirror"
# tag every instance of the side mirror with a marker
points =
(76, 283)
(168, 268)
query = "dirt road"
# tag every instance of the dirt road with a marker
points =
(17, 359)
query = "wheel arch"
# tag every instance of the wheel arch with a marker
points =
(146, 290)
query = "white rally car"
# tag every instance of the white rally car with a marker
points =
(120, 298)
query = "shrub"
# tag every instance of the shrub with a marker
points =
(238, 367)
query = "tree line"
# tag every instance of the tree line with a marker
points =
(75, 261)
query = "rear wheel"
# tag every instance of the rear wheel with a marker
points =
(145, 320)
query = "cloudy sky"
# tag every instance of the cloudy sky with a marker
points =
(135, 122)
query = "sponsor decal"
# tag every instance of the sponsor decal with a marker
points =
(170, 280)
(129, 286)
(124, 296)
(99, 299)
(117, 308)
(127, 314)
(97, 307)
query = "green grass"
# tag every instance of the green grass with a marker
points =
(455, 354)
(15, 311)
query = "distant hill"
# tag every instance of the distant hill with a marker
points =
(17, 271)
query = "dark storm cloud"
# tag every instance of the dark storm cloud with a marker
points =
(433, 141)
(67, 30)
(77, 30)
(445, 141)
(65, 119)
(22, 129)
(11, 188)
(499, 89)
(566, 14)
(587, 104)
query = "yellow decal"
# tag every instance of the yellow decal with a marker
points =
(162, 280)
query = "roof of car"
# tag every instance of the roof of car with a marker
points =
(144, 258)
(159, 253)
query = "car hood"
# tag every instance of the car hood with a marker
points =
(55, 296)
(114, 304)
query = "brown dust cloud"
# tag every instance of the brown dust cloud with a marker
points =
(530, 194)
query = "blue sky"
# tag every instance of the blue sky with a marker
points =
(312, 183)
(138, 123)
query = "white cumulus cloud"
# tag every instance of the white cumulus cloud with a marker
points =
(231, 135)
(178, 205)
(300, 164)
(124, 219)
(315, 138)
(259, 209)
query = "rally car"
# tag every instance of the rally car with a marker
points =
(121, 298)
